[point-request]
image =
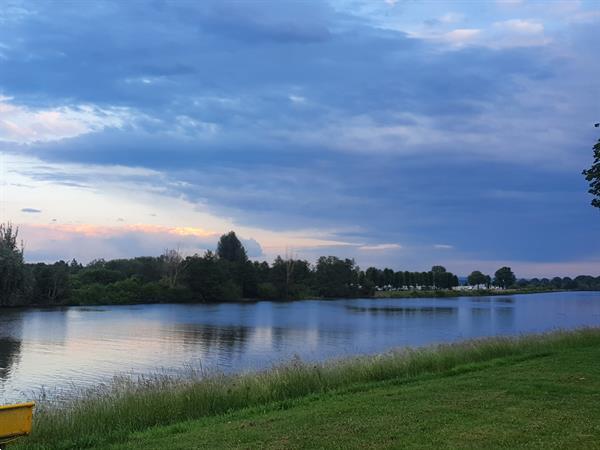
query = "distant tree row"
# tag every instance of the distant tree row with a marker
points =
(224, 275)
(503, 278)
(436, 278)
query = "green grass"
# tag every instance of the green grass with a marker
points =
(537, 391)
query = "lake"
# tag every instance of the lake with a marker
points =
(64, 350)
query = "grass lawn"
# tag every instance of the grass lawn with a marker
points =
(545, 401)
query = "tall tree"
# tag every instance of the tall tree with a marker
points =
(374, 276)
(592, 175)
(231, 249)
(437, 277)
(438, 269)
(208, 279)
(336, 277)
(12, 267)
(504, 277)
(476, 278)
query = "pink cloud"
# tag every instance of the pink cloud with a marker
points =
(87, 241)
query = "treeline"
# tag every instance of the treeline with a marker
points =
(504, 278)
(579, 283)
(224, 275)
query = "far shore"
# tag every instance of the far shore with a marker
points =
(466, 293)
(408, 294)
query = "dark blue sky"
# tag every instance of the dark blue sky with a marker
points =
(402, 133)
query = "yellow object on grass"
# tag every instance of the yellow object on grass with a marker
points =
(15, 421)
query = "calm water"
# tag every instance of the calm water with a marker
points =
(71, 348)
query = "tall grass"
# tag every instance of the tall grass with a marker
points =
(110, 414)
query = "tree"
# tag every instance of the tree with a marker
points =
(231, 249)
(556, 282)
(592, 175)
(291, 277)
(438, 269)
(455, 281)
(209, 280)
(173, 266)
(374, 276)
(51, 283)
(568, 283)
(336, 277)
(504, 277)
(388, 277)
(476, 278)
(12, 266)
(438, 277)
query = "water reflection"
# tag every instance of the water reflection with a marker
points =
(227, 339)
(9, 356)
(80, 347)
(11, 325)
(389, 310)
(499, 299)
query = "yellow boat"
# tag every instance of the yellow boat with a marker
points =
(15, 421)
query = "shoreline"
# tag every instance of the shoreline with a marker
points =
(113, 414)
(468, 293)
(377, 296)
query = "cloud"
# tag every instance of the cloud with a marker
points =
(443, 246)
(31, 210)
(586, 17)
(298, 120)
(380, 247)
(516, 33)
(521, 26)
(264, 22)
(452, 17)
(25, 125)
(461, 36)
(87, 241)
(505, 34)
(510, 2)
(65, 231)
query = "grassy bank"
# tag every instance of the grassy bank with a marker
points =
(450, 293)
(477, 385)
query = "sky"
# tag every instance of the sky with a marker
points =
(400, 133)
